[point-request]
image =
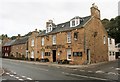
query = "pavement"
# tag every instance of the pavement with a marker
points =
(62, 65)
(1, 72)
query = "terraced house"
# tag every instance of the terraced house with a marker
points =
(81, 40)
(19, 48)
(6, 48)
(32, 48)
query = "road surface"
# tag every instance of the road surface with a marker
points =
(15, 70)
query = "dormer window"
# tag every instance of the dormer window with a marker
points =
(75, 21)
(49, 26)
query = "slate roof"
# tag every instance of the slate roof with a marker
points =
(9, 43)
(22, 40)
(66, 26)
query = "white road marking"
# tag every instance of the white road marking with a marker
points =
(11, 75)
(17, 77)
(117, 68)
(111, 73)
(20, 79)
(7, 73)
(82, 70)
(84, 76)
(23, 76)
(99, 71)
(29, 78)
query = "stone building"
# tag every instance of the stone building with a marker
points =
(19, 48)
(32, 48)
(3, 39)
(81, 40)
(6, 48)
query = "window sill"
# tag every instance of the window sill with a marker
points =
(75, 39)
(68, 42)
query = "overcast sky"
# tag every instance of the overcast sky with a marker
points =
(23, 16)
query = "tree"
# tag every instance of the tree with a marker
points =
(113, 27)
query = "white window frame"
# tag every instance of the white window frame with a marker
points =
(54, 39)
(32, 42)
(76, 21)
(32, 54)
(42, 41)
(68, 37)
(104, 40)
(42, 54)
(69, 53)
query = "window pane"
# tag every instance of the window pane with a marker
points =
(42, 41)
(104, 40)
(75, 35)
(68, 37)
(73, 23)
(54, 39)
(32, 42)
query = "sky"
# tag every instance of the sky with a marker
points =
(23, 16)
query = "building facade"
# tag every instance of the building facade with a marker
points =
(111, 49)
(117, 50)
(6, 48)
(32, 48)
(82, 40)
(19, 48)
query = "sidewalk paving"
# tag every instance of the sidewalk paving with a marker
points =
(1, 72)
(62, 65)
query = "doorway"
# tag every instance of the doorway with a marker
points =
(54, 55)
(88, 56)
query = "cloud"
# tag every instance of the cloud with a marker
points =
(22, 16)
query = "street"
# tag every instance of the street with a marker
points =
(22, 71)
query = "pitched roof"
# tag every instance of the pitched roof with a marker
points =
(66, 26)
(21, 40)
(9, 43)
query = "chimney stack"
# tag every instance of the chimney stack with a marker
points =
(95, 11)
